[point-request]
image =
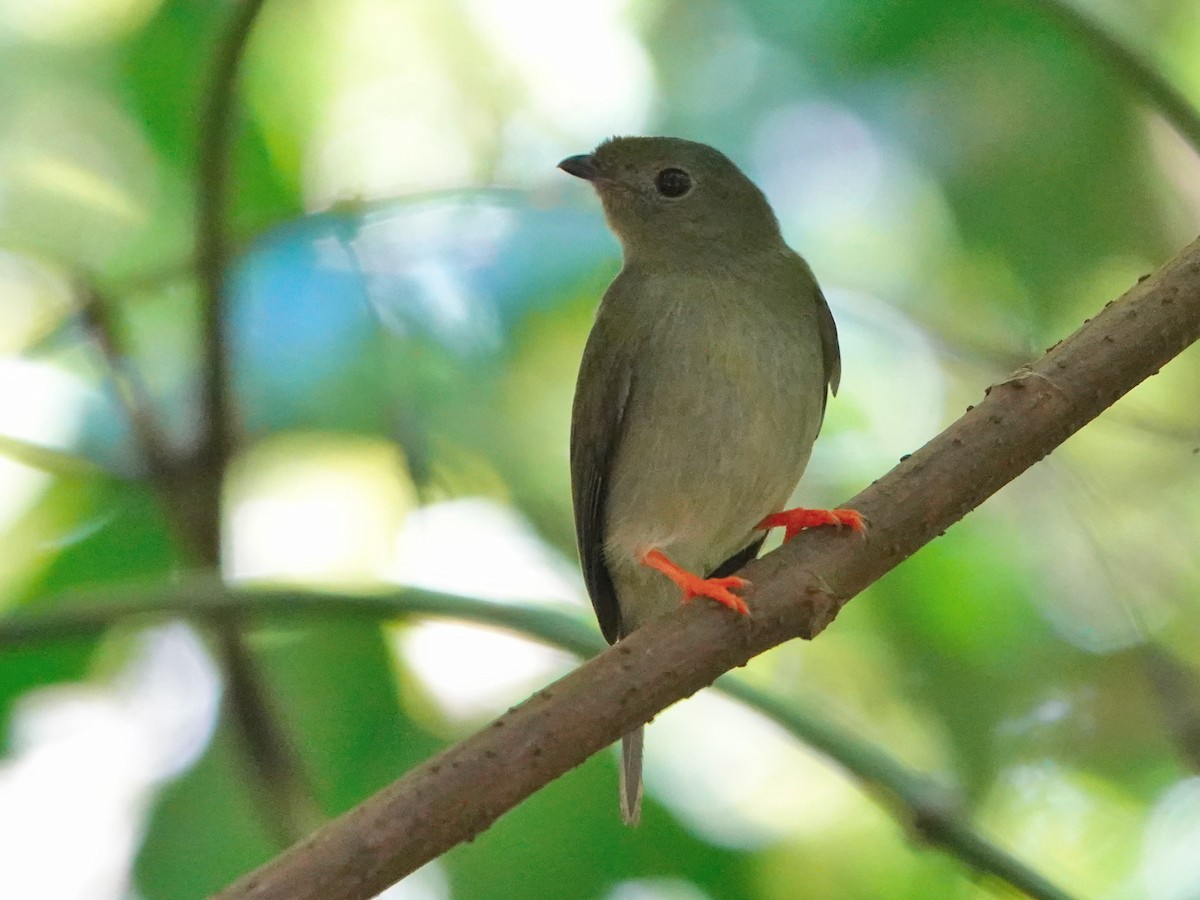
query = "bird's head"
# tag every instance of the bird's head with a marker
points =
(669, 195)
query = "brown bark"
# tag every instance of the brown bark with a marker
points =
(799, 589)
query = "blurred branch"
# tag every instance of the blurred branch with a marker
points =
(285, 800)
(931, 810)
(916, 800)
(1178, 687)
(1131, 67)
(96, 312)
(217, 128)
(798, 590)
(85, 614)
(160, 464)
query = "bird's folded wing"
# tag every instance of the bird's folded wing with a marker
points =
(606, 384)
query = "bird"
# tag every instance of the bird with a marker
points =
(701, 390)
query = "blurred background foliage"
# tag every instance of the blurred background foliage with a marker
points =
(412, 284)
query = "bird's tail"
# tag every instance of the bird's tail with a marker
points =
(631, 777)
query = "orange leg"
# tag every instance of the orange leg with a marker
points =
(694, 586)
(796, 520)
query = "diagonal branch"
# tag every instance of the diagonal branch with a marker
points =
(930, 810)
(1131, 67)
(96, 312)
(799, 590)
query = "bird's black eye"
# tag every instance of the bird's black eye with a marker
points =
(673, 182)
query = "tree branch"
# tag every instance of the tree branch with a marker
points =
(96, 313)
(214, 180)
(917, 801)
(286, 801)
(1132, 68)
(927, 807)
(799, 589)
(82, 615)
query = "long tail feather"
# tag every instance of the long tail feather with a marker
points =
(631, 777)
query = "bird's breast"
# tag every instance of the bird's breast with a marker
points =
(725, 406)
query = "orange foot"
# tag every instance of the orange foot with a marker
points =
(796, 520)
(694, 586)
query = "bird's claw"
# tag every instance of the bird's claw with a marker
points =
(717, 589)
(692, 585)
(793, 521)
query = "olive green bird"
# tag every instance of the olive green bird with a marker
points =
(700, 394)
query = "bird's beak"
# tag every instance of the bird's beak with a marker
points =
(581, 166)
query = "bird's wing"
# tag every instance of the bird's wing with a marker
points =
(829, 342)
(597, 422)
(738, 560)
(806, 286)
